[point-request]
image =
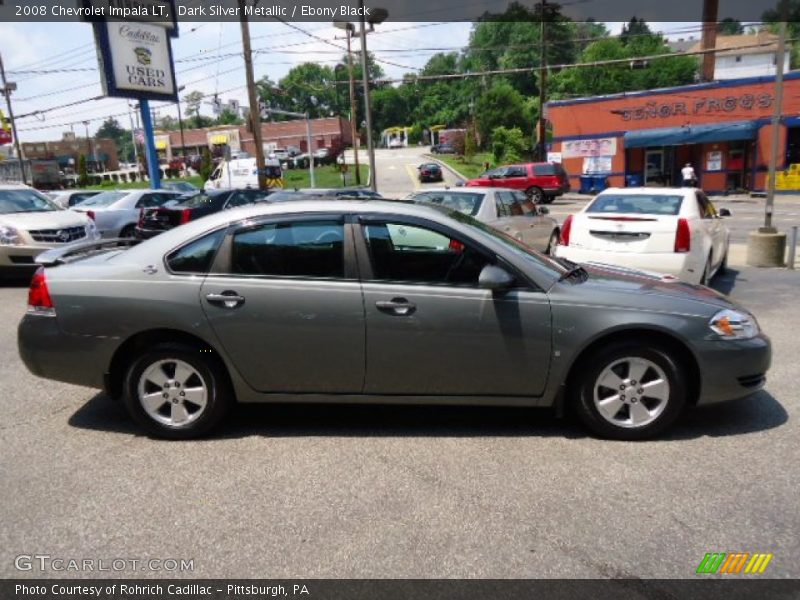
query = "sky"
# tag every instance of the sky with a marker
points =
(207, 59)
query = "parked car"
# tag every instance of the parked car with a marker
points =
(153, 221)
(116, 212)
(396, 143)
(443, 149)
(31, 223)
(183, 187)
(509, 211)
(298, 302)
(430, 172)
(301, 194)
(543, 182)
(68, 198)
(677, 231)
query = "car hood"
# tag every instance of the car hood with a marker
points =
(615, 285)
(53, 219)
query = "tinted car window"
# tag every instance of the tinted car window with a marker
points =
(238, 199)
(545, 170)
(201, 199)
(515, 172)
(294, 249)
(150, 200)
(196, 256)
(407, 253)
(648, 204)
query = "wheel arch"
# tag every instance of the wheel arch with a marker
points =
(678, 349)
(138, 342)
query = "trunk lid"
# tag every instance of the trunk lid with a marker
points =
(624, 232)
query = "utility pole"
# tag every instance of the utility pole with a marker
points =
(353, 117)
(7, 89)
(133, 139)
(373, 180)
(710, 18)
(542, 128)
(255, 113)
(180, 124)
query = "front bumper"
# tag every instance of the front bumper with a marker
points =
(49, 352)
(12, 257)
(732, 369)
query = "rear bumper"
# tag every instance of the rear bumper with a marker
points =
(732, 369)
(50, 353)
(146, 234)
(555, 191)
(669, 263)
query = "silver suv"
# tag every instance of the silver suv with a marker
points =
(31, 223)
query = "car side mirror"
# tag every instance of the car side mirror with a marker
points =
(495, 278)
(724, 212)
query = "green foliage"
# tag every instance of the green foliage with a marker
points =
(83, 172)
(228, 117)
(470, 144)
(415, 134)
(730, 26)
(500, 106)
(111, 129)
(309, 88)
(193, 101)
(508, 144)
(206, 166)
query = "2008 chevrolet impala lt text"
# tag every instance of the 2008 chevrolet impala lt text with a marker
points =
(384, 302)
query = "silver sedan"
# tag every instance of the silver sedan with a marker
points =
(116, 212)
(507, 210)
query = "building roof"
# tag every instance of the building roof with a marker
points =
(682, 45)
(727, 42)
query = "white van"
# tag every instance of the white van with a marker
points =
(241, 173)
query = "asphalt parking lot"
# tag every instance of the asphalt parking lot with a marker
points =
(391, 492)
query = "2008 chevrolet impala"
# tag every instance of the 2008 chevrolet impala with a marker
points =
(351, 301)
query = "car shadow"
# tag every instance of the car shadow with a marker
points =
(759, 413)
(726, 282)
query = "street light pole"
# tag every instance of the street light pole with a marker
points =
(180, 124)
(353, 117)
(542, 127)
(776, 125)
(373, 180)
(255, 112)
(7, 88)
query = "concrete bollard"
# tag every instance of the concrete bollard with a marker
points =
(792, 248)
(766, 248)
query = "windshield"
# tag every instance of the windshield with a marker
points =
(25, 200)
(467, 203)
(513, 245)
(646, 204)
(104, 199)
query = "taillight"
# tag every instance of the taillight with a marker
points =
(186, 215)
(39, 301)
(90, 214)
(683, 236)
(565, 230)
(140, 224)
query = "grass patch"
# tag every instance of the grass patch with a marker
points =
(469, 168)
(327, 176)
(138, 185)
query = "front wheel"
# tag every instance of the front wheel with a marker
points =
(176, 392)
(535, 194)
(630, 391)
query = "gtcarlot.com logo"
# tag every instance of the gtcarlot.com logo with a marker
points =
(46, 562)
(734, 563)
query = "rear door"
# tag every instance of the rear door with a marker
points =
(712, 228)
(286, 305)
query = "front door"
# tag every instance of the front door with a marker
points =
(432, 331)
(654, 167)
(286, 308)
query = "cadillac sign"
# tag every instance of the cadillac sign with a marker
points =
(136, 60)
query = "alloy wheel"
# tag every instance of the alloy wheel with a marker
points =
(631, 392)
(172, 392)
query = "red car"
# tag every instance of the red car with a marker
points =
(541, 181)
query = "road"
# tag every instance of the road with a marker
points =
(396, 492)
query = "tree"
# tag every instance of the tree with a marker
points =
(193, 101)
(206, 166)
(508, 144)
(111, 129)
(772, 19)
(500, 106)
(83, 171)
(730, 26)
(228, 117)
(309, 88)
(167, 123)
(633, 29)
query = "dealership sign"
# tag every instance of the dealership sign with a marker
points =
(159, 12)
(136, 60)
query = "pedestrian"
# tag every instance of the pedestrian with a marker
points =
(688, 175)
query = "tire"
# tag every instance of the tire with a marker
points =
(548, 199)
(128, 231)
(608, 413)
(535, 194)
(176, 416)
(552, 242)
(705, 278)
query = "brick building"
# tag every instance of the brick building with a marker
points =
(722, 128)
(333, 133)
(101, 153)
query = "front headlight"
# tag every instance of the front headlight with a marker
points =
(9, 236)
(91, 230)
(734, 325)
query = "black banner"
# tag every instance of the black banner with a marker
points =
(732, 588)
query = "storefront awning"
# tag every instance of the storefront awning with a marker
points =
(691, 134)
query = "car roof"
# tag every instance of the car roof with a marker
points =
(463, 189)
(656, 191)
(14, 186)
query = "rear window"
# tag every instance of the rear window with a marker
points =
(104, 199)
(201, 199)
(646, 204)
(548, 169)
(464, 202)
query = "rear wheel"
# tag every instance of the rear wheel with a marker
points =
(128, 231)
(630, 391)
(175, 392)
(535, 194)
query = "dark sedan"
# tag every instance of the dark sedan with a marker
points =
(430, 172)
(153, 221)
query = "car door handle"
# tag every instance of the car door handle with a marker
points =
(396, 306)
(227, 299)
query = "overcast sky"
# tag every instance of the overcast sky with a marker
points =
(206, 60)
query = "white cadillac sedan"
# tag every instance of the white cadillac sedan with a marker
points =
(676, 231)
(117, 212)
